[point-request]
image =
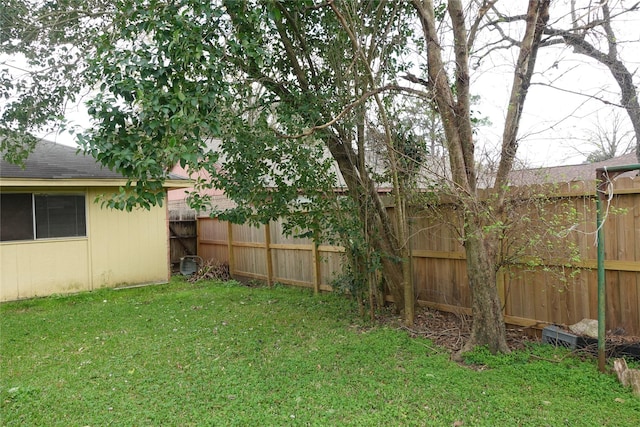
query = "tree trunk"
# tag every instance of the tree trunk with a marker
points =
(372, 213)
(488, 320)
(407, 280)
(454, 108)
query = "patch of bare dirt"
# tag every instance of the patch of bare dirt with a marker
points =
(451, 331)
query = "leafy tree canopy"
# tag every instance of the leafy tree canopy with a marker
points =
(166, 77)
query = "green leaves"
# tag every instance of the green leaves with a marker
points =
(165, 78)
(161, 85)
(272, 177)
(46, 44)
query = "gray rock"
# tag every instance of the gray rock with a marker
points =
(585, 327)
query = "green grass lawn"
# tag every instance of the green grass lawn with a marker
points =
(222, 354)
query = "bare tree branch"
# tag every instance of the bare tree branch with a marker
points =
(537, 18)
(575, 92)
(486, 6)
(619, 71)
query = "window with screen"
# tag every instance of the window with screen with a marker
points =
(59, 216)
(41, 216)
(16, 217)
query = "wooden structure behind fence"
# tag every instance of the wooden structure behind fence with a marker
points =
(532, 297)
(182, 233)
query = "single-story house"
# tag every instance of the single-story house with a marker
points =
(55, 238)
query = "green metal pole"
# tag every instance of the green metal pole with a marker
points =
(601, 283)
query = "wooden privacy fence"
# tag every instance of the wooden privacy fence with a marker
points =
(265, 253)
(532, 297)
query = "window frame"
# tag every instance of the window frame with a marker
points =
(34, 216)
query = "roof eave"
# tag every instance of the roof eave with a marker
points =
(173, 184)
(84, 182)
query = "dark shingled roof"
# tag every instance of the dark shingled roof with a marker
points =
(54, 161)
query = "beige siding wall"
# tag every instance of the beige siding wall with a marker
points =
(46, 267)
(120, 248)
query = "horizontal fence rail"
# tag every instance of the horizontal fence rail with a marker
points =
(532, 296)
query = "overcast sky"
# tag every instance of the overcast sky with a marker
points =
(555, 122)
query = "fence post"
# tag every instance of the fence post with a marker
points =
(232, 261)
(267, 241)
(316, 266)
